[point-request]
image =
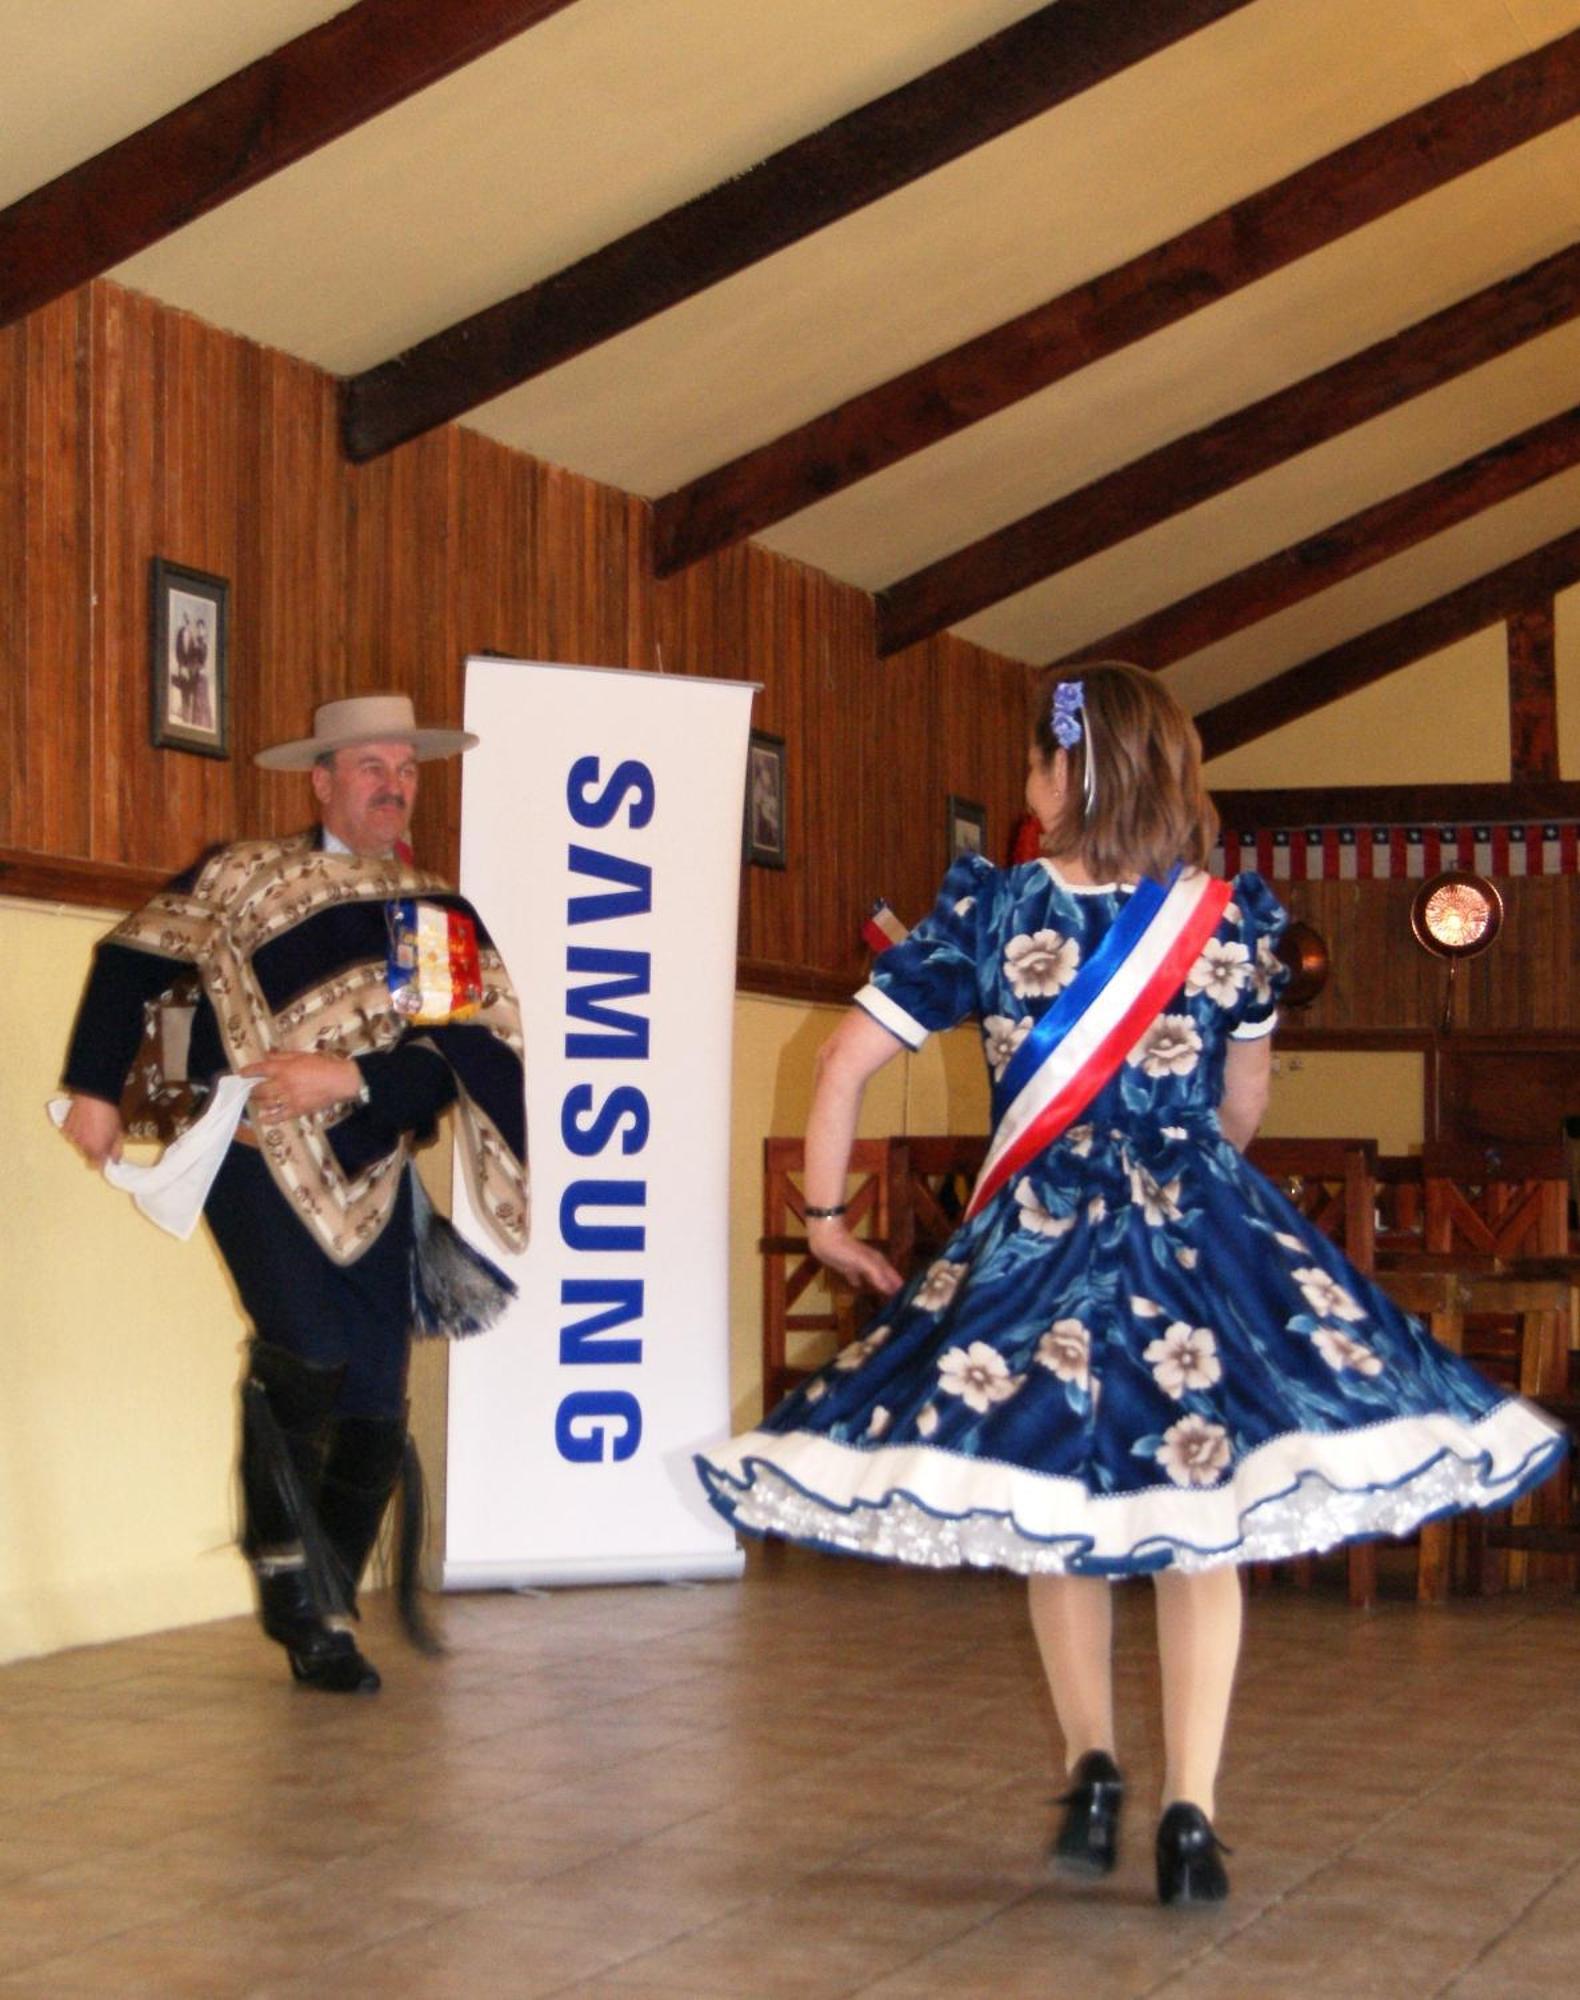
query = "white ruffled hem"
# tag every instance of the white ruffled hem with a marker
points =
(1295, 1495)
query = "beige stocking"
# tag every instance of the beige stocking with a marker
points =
(1073, 1619)
(1198, 1646)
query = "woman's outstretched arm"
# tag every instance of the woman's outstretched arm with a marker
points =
(855, 1052)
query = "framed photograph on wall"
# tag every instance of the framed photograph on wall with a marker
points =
(189, 659)
(967, 827)
(765, 800)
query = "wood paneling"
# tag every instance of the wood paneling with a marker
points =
(1518, 801)
(1382, 982)
(128, 430)
(1533, 693)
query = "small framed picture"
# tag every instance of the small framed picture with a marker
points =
(765, 800)
(189, 659)
(967, 827)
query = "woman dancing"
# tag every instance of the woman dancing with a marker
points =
(1133, 1356)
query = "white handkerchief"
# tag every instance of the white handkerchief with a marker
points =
(172, 1189)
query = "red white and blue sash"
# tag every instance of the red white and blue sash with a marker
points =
(1080, 1042)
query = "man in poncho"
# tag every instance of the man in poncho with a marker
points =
(366, 998)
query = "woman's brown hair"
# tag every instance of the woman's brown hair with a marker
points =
(1149, 807)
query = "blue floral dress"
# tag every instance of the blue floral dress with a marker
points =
(1137, 1354)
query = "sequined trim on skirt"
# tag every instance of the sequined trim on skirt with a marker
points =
(1295, 1495)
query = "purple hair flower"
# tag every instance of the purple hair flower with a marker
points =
(1069, 698)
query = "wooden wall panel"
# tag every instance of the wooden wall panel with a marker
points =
(136, 431)
(127, 430)
(1383, 984)
(13, 582)
(57, 783)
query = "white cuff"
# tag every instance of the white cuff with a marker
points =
(874, 1001)
(1253, 1031)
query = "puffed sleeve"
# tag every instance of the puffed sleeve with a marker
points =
(1262, 919)
(930, 980)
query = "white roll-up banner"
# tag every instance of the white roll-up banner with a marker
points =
(601, 842)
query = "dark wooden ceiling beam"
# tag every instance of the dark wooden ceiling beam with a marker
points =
(1343, 550)
(1026, 69)
(1533, 691)
(1322, 202)
(1487, 600)
(1398, 805)
(218, 144)
(1182, 474)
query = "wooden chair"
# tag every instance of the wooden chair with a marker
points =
(1505, 1201)
(1333, 1184)
(939, 1176)
(1400, 1226)
(906, 1198)
(791, 1272)
(1539, 1296)
(1437, 1297)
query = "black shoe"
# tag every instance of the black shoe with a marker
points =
(1087, 1842)
(321, 1656)
(1189, 1870)
(332, 1664)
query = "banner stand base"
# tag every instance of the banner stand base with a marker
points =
(552, 1572)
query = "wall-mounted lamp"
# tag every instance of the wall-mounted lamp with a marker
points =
(1455, 915)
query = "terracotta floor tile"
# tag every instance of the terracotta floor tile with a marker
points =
(826, 1780)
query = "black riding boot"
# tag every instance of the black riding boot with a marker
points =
(369, 1458)
(286, 1407)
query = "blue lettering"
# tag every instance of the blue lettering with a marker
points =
(579, 1343)
(581, 1235)
(629, 776)
(585, 1422)
(634, 900)
(586, 1140)
(627, 1033)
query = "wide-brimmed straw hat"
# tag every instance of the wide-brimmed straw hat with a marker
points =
(364, 718)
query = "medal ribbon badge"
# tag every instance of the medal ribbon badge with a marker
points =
(434, 972)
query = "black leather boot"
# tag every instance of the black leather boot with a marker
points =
(369, 1459)
(361, 1469)
(286, 1406)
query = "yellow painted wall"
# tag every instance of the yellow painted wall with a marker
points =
(118, 1360)
(1348, 1094)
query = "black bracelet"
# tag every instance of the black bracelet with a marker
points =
(823, 1214)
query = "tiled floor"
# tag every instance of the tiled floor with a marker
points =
(828, 1780)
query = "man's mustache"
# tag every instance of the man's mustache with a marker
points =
(390, 799)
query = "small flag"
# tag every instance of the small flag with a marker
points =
(882, 928)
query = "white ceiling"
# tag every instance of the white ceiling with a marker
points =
(613, 111)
